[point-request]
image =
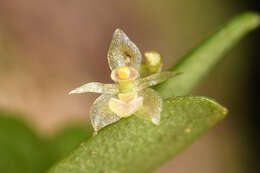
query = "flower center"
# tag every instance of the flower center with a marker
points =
(124, 73)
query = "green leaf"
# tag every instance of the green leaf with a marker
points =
(21, 151)
(68, 139)
(134, 145)
(200, 60)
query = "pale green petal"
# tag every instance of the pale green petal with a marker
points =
(123, 52)
(96, 87)
(152, 106)
(100, 114)
(154, 79)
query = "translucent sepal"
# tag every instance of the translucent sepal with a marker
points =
(123, 52)
(100, 113)
(152, 106)
(96, 87)
(154, 79)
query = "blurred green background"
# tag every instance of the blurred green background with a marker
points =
(50, 47)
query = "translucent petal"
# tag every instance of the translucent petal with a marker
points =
(97, 88)
(100, 114)
(123, 52)
(152, 106)
(154, 79)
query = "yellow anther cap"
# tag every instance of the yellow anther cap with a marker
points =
(124, 72)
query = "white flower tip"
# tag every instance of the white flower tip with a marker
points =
(156, 121)
(77, 91)
(73, 92)
(118, 30)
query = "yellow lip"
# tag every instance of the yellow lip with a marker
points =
(125, 109)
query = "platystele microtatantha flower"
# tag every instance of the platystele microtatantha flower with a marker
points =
(131, 93)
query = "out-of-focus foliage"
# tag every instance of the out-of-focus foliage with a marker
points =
(22, 151)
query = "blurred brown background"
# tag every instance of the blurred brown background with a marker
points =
(48, 48)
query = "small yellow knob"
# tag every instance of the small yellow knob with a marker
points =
(124, 72)
(153, 58)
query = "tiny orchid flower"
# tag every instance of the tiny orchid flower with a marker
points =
(131, 93)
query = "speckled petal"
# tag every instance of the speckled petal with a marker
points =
(97, 88)
(152, 106)
(123, 52)
(100, 114)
